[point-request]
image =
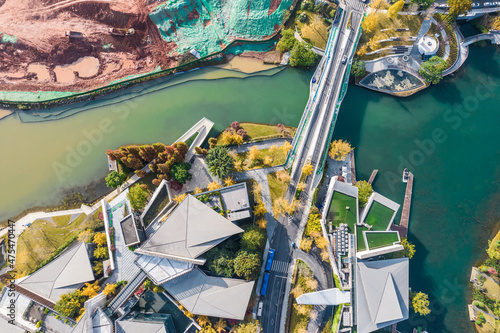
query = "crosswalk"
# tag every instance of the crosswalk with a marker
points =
(280, 266)
(357, 5)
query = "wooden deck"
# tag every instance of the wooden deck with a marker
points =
(372, 177)
(402, 228)
(353, 168)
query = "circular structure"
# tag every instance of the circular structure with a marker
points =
(390, 60)
(406, 58)
(428, 46)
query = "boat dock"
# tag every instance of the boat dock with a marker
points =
(353, 168)
(402, 228)
(372, 177)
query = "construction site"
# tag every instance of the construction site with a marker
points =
(80, 45)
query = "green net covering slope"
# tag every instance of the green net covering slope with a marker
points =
(208, 26)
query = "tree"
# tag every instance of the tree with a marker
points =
(179, 198)
(197, 190)
(91, 289)
(370, 22)
(98, 268)
(254, 154)
(364, 191)
(496, 23)
(100, 239)
(339, 150)
(86, 236)
(432, 69)
(268, 160)
(261, 223)
(109, 289)
(287, 41)
(321, 242)
(259, 208)
(424, 3)
(409, 248)
(212, 142)
(301, 186)
(219, 162)
(420, 303)
(251, 327)
(115, 179)
(213, 186)
(247, 265)
(395, 8)
(252, 239)
(302, 55)
(101, 253)
(203, 321)
(358, 67)
(180, 172)
(459, 7)
(313, 224)
(286, 147)
(138, 195)
(220, 326)
(229, 181)
(69, 304)
(307, 169)
(306, 244)
(235, 125)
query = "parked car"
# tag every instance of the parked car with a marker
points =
(476, 4)
(488, 4)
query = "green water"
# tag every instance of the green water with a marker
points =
(456, 180)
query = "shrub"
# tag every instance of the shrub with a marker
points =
(39, 324)
(241, 132)
(235, 125)
(175, 185)
(219, 162)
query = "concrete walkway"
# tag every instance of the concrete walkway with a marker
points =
(463, 52)
(260, 145)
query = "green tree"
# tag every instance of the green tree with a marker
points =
(247, 265)
(424, 3)
(364, 191)
(180, 172)
(432, 69)
(409, 248)
(138, 195)
(115, 179)
(287, 41)
(302, 56)
(420, 303)
(69, 304)
(358, 68)
(219, 162)
(395, 8)
(459, 7)
(252, 239)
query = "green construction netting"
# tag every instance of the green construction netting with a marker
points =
(210, 25)
(9, 39)
(242, 48)
(39, 96)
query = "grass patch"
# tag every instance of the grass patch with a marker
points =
(379, 216)
(278, 157)
(258, 132)
(359, 238)
(276, 187)
(336, 318)
(338, 212)
(492, 289)
(315, 29)
(43, 237)
(381, 239)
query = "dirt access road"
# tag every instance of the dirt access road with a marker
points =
(43, 58)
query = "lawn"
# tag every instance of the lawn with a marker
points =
(338, 212)
(315, 29)
(359, 238)
(276, 187)
(263, 131)
(336, 317)
(492, 289)
(381, 239)
(379, 216)
(278, 158)
(43, 237)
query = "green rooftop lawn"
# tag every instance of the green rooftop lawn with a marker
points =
(379, 216)
(338, 213)
(359, 238)
(381, 239)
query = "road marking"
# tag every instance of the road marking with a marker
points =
(279, 266)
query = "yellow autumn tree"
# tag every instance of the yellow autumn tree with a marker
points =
(339, 150)
(496, 23)
(220, 326)
(203, 320)
(307, 169)
(286, 147)
(90, 290)
(109, 289)
(395, 8)
(370, 22)
(197, 190)
(268, 160)
(261, 223)
(362, 50)
(260, 208)
(321, 242)
(179, 198)
(254, 154)
(213, 186)
(229, 181)
(238, 165)
(257, 188)
(273, 150)
(283, 176)
(306, 244)
(86, 236)
(301, 186)
(100, 239)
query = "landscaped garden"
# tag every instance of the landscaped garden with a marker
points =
(253, 132)
(255, 158)
(156, 207)
(379, 216)
(338, 212)
(303, 282)
(381, 239)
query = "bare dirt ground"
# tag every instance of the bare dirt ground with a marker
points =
(42, 47)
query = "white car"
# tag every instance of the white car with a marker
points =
(476, 4)
(487, 4)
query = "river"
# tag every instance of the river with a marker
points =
(454, 156)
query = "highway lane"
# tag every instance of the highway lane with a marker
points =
(315, 136)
